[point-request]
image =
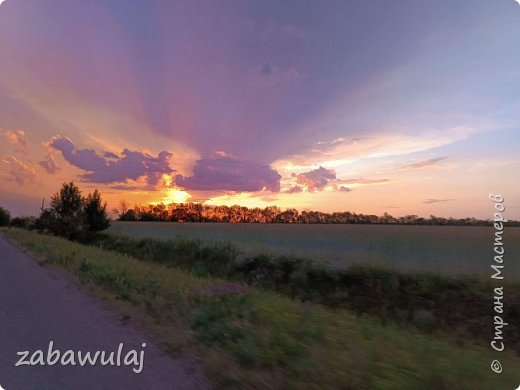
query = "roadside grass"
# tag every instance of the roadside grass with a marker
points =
(249, 338)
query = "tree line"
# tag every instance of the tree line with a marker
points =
(198, 212)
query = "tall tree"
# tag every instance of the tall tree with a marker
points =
(95, 212)
(67, 217)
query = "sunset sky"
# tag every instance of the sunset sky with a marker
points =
(405, 107)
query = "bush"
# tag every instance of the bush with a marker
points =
(46, 221)
(72, 216)
(23, 222)
(5, 217)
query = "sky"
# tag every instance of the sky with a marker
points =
(370, 106)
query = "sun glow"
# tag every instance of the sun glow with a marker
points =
(175, 195)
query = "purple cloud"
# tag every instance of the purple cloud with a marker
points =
(110, 155)
(344, 189)
(294, 190)
(114, 169)
(425, 163)
(317, 179)
(230, 174)
(267, 75)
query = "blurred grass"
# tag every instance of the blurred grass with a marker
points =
(430, 302)
(248, 338)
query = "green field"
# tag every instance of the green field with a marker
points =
(443, 249)
(249, 338)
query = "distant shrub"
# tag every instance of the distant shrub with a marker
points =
(5, 217)
(46, 221)
(128, 215)
(23, 222)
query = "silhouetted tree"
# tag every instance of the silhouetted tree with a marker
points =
(66, 216)
(129, 215)
(5, 217)
(95, 212)
(72, 216)
(197, 212)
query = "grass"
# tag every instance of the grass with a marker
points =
(249, 338)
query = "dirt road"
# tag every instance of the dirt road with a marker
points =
(38, 305)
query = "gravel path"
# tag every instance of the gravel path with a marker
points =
(39, 305)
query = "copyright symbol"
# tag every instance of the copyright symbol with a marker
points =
(496, 366)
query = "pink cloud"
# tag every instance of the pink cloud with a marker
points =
(49, 164)
(17, 137)
(18, 171)
(317, 179)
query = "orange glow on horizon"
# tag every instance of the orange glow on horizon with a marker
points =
(175, 195)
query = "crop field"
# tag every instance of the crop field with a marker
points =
(442, 249)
